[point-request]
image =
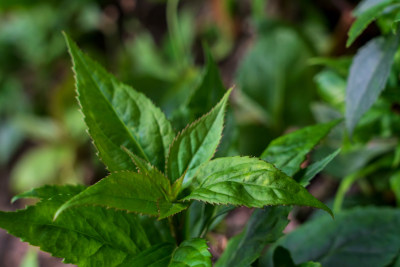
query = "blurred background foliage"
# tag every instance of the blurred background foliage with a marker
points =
(287, 60)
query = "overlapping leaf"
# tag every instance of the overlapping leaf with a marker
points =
(289, 151)
(264, 227)
(250, 182)
(87, 236)
(196, 144)
(361, 237)
(136, 192)
(117, 115)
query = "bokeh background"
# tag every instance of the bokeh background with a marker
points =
(276, 53)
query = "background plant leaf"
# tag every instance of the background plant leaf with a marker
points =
(359, 237)
(368, 76)
(289, 151)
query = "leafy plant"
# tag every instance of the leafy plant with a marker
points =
(153, 173)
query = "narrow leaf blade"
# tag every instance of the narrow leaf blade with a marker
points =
(196, 144)
(289, 151)
(368, 76)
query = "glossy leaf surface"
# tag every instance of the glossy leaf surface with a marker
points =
(248, 182)
(191, 253)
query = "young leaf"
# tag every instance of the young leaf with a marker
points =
(87, 236)
(129, 191)
(191, 253)
(117, 115)
(307, 174)
(289, 151)
(264, 227)
(361, 237)
(196, 144)
(365, 18)
(250, 182)
(368, 75)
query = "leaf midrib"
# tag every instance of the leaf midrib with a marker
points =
(110, 105)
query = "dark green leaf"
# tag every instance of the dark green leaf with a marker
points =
(196, 144)
(49, 191)
(117, 115)
(211, 89)
(368, 75)
(264, 227)
(289, 151)
(191, 253)
(361, 237)
(156, 256)
(249, 182)
(129, 191)
(395, 186)
(282, 258)
(307, 174)
(87, 236)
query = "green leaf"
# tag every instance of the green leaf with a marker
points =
(129, 191)
(117, 115)
(48, 191)
(289, 151)
(249, 182)
(307, 174)
(365, 18)
(360, 237)
(395, 186)
(368, 76)
(86, 236)
(264, 227)
(210, 90)
(156, 256)
(191, 253)
(196, 144)
(282, 258)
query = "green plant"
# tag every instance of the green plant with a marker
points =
(138, 215)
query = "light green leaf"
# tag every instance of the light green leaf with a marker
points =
(365, 18)
(289, 151)
(307, 174)
(368, 76)
(249, 182)
(360, 237)
(129, 191)
(264, 227)
(86, 236)
(196, 144)
(191, 253)
(48, 191)
(117, 115)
